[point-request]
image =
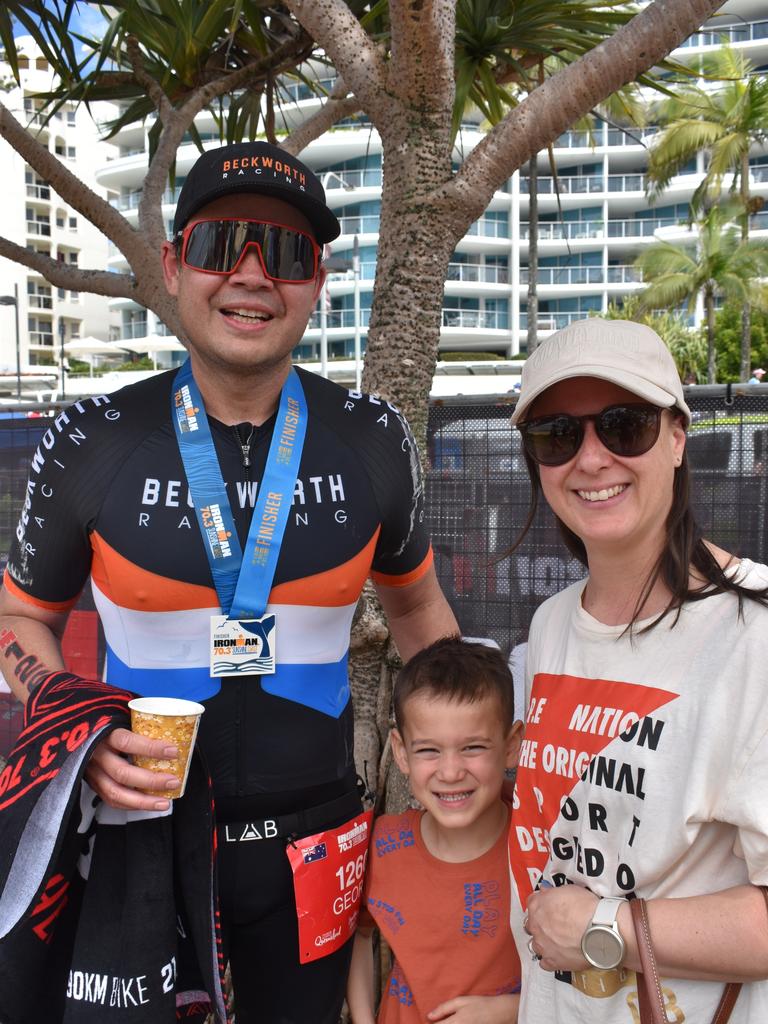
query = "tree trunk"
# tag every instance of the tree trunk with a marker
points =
(411, 266)
(533, 254)
(709, 306)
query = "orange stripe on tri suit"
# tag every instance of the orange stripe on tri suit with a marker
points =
(408, 577)
(331, 589)
(51, 606)
(129, 586)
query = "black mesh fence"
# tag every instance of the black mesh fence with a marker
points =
(477, 498)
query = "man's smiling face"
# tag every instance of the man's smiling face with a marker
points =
(242, 321)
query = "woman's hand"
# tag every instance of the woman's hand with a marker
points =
(556, 920)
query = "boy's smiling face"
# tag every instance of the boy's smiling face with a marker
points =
(455, 754)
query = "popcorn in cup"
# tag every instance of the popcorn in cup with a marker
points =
(175, 722)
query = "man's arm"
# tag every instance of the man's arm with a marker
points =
(360, 982)
(418, 614)
(30, 649)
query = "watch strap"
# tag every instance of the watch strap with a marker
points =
(607, 911)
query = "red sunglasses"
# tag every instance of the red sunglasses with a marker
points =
(219, 246)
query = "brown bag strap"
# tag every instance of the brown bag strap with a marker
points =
(649, 995)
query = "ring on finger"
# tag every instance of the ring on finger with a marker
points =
(532, 951)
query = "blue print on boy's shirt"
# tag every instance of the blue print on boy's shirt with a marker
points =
(394, 840)
(479, 916)
(398, 986)
(392, 917)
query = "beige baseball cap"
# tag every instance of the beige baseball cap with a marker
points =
(626, 353)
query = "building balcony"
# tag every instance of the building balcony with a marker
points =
(600, 138)
(744, 32)
(564, 230)
(334, 181)
(564, 275)
(40, 228)
(42, 338)
(548, 322)
(39, 193)
(339, 319)
(476, 319)
(477, 273)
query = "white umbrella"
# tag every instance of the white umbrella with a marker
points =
(91, 346)
(151, 344)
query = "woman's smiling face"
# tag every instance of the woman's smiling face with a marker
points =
(607, 500)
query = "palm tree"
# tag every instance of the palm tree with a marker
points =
(725, 122)
(720, 264)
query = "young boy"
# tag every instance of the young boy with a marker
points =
(438, 880)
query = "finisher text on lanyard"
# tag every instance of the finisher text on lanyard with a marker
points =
(243, 639)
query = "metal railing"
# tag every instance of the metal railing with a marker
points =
(354, 179)
(571, 229)
(478, 273)
(744, 32)
(489, 228)
(565, 275)
(554, 321)
(640, 227)
(339, 318)
(476, 319)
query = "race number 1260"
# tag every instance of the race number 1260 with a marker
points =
(350, 878)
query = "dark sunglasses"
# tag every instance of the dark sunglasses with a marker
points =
(625, 430)
(218, 247)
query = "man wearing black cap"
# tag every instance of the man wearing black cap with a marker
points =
(228, 515)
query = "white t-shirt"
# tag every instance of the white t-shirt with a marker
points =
(644, 771)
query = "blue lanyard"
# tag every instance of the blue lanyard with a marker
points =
(242, 583)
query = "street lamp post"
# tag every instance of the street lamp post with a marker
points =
(356, 272)
(62, 330)
(13, 300)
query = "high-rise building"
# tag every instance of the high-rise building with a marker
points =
(35, 217)
(594, 219)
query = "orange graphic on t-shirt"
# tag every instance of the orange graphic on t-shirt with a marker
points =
(570, 720)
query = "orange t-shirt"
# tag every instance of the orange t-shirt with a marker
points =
(447, 924)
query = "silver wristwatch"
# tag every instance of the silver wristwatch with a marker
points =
(602, 944)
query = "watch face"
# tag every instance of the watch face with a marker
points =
(602, 947)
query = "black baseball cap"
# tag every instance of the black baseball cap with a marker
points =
(261, 168)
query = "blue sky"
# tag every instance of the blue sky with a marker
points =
(86, 20)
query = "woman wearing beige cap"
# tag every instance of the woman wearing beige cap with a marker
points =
(644, 772)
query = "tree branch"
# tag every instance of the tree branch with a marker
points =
(567, 96)
(337, 106)
(353, 53)
(64, 275)
(154, 90)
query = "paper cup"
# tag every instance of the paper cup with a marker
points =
(174, 721)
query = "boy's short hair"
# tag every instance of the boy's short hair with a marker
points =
(460, 671)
